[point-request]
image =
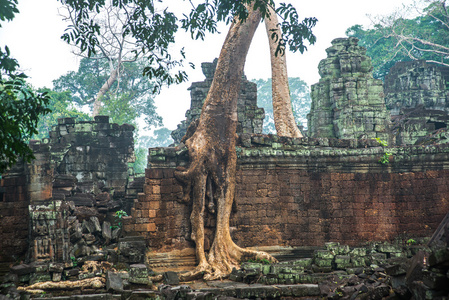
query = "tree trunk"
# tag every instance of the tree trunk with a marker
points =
(103, 90)
(213, 157)
(284, 121)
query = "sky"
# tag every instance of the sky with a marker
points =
(33, 38)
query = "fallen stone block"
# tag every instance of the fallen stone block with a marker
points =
(22, 269)
(389, 248)
(171, 278)
(114, 282)
(39, 277)
(438, 256)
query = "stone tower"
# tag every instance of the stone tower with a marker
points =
(250, 116)
(347, 102)
(410, 84)
(417, 94)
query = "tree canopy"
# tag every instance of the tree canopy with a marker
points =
(418, 32)
(61, 106)
(128, 98)
(153, 25)
(20, 109)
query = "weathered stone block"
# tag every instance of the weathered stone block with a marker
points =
(324, 254)
(304, 262)
(171, 278)
(22, 269)
(132, 249)
(358, 261)
(72, 272)
(323, 262)
(114, 282)
(56, 276)
(138, 274)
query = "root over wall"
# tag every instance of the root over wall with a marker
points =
(304, 192)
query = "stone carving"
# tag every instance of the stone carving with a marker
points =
(249, 115)
(347, 102)
(49, 232)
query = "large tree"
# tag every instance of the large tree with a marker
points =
(127, 99)
(212, 170)
(211, 141)
(419, 31)
(108, 29)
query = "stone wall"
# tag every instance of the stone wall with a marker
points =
(13, 215)
(62, 204)
(298, 192)
(347, 102)
(250, 116)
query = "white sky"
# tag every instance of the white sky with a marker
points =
(34, 40)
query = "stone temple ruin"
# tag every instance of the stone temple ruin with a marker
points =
(417, 96)
(315, 203)
(348, 103)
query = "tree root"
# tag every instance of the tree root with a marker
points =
(96, 282)
(197, 273)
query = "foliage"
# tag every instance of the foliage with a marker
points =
(120, 110)
(61, 106)
(128, 98)
(8, 65)
(140, 163)
(8, 8)
(382, 142)
(74, 261)
(161, 138)
(20, 108)
(410, 242)
(411, 34)
(153, 25)
(385, 158)
(299, 95)
(118, 218)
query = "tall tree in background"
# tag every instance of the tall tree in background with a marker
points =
(161, 138)
(108, 29)
(61, 106)
(299, 96)
(211, 144)
(20, 105)
(417, 32)
(124, 102)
